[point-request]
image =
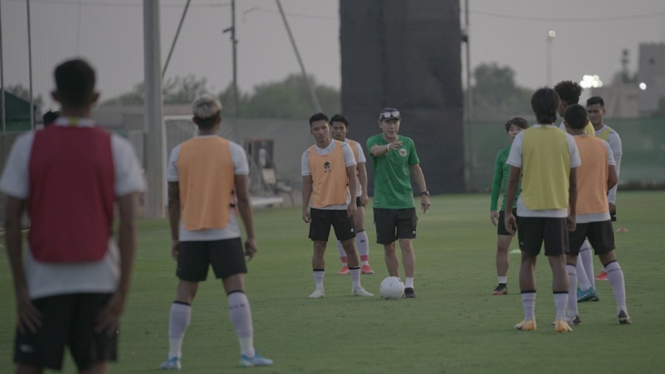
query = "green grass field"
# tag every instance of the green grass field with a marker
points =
(454, 326)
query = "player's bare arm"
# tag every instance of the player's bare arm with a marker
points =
(174, 216)
(572, 200)
(351, 175)
(306, 195)
(494, 216)
(109, 317)
(362, 176)
(419, 177)
(29, 318)
(380, 150)
(246, 213)
(613, 178)
(511, 192)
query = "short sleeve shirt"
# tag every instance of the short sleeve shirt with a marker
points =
(392, 174)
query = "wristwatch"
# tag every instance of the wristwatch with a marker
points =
(426, 193)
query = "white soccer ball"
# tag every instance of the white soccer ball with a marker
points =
(391, 288)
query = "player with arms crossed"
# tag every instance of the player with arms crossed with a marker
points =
(339, 126)
(207, 178)
(501, 171)
(72, 287)
(394, 160)
(548, 159)
(328, 176)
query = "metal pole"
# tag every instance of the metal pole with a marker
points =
(234, 41)
(32, 111)
(177, 33)
(469, 89)
(312, 93)
(2, 93)
(153, 120)
(549, 61)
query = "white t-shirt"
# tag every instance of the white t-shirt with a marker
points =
(598, 217)
(49, 279)
(361, 160)
(515, 159)
(617, 152)
(232, 230)
(349, 160)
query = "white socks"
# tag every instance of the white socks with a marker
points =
(318, 277)
(586, 258)
(529, 305)
(503, 280)
(408, 283)
(615, 276)
(178, 322)
(342, 253)
(355, 277)
(572, 292)
(561, 303)
(241, 318)
(362, 245)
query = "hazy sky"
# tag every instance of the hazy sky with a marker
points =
(590, 35)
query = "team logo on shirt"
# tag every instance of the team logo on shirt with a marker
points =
(326, 167)
(402, 152)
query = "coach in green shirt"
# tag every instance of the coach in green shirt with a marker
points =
(394, 159)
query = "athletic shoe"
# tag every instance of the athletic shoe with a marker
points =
(575, 321)
(367, 270)
(561, 325)
(586, 295)
(361, 292)
(409, 293)
(317, 294)
(624, 318)
(525, 325)
(596, 296)
(602, 276)
(257, 360)
(501, 289)
(344, 270)
(171, 364)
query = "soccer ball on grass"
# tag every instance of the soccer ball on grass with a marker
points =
(391, 288)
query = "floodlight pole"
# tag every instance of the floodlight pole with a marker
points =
(32, 110)
(153, 120)
(469, 89)
(234, 43)
(2, 93)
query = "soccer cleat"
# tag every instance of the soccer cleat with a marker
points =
(525, 325)
(602, 276)
(575, 321)
(257, 360)
(317, 294)
(586, 295)
(171, 364)
(366, 270)
(561, 325)
(596, 296)
(501, 289)
(624, 318)
(344, 270)
(361, 292)
(409, 293)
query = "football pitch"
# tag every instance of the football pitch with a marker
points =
(454, 326)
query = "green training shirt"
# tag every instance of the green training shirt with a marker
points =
(392, 176)
(501, 173)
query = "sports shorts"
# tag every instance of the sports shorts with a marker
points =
(600, 235)
(533, 231)
(322, 219)
(195, 257)
(393, 224)
(501, 225)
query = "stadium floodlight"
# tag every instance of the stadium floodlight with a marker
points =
(591, 81)
(643, 86)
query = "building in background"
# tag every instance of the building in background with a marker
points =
(651, 79)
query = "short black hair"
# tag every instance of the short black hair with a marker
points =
(545, 103)
(340, 118)
(318, 117)
(207, 123)
(75, 82)
(575, 116)
(595, 100)
(569, 91)
(517, 121)
(50, 117)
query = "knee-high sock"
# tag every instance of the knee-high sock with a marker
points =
(319, 274)
(561, 304)
(586, 255)
(582, 279)
(572, 292)
(179, 318)
(362, 244)
(241, 318)
(342, 253)
(529, 304)
(615, 276)
(355, 276)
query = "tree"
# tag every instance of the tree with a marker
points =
(495, 94)
(24, 94)
(176, 90)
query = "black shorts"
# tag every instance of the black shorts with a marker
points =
(358, 202)
(68, 320)
(194, 258)
(501, 225)
(393, 224)
(532, 231)
(600, 234)
(322, 219)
